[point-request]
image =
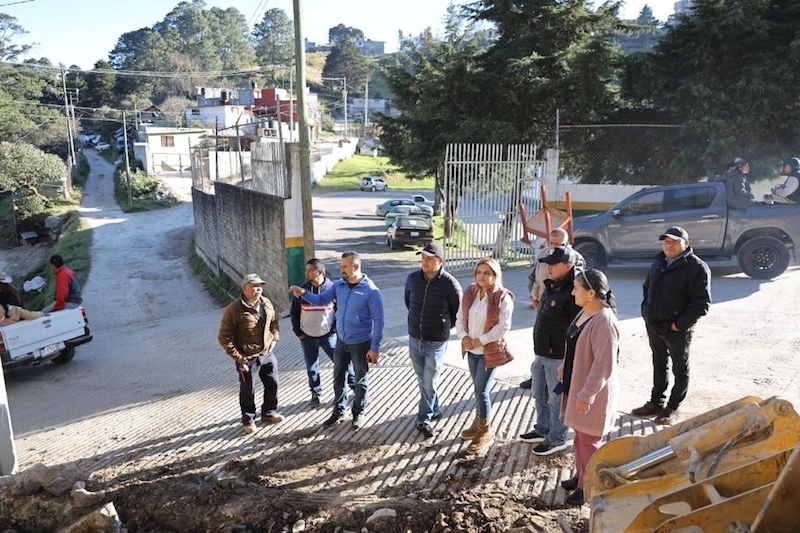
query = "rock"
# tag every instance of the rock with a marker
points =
(83, 498)
(104, 520)
(299, 526)
(58, 480)
(53, 223)
(27, 481)
(382, 513)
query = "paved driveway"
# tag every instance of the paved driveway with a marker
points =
(153, 391)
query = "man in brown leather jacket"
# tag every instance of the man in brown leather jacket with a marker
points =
(248, 334)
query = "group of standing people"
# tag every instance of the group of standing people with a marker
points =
(575, 341)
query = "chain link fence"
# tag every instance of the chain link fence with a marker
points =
(636, 154)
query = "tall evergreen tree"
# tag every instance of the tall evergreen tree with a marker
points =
(347, 61)
(274, 39)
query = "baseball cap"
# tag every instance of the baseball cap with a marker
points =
(432, 249)
(676, 233)
(252, 279)
(560, 254)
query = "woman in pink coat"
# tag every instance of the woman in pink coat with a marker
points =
(589, 373)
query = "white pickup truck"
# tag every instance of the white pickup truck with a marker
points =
(49, 338)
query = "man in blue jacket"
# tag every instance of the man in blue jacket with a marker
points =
(359, 326)
(314, 326)
(432, 298)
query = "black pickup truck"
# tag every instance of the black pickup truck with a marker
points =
(761, 237)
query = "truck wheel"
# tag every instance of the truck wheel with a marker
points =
(374, 189)
(65, 356)
(593, 254)
(763, 258)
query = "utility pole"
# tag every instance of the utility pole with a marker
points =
(127, 161)
(344, 97)
(305, 144)
(71, 147)
(366, 106)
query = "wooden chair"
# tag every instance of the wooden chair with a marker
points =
(547, 219)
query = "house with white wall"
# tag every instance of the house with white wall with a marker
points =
(162, 149)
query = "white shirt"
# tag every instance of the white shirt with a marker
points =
(477, 322)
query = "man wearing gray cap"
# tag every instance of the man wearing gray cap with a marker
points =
(676, 293)
(248, 334)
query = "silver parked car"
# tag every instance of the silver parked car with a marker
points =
(373, 183)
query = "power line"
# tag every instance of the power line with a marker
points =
(15, 3)
(148, 73)
(258, 12)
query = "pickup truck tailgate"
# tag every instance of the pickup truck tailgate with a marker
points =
(43, 336)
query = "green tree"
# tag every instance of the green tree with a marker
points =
(10, 30)
(646, 17)
(347, 61)
(274, 38)
(25, 167)
(174, 109)
(100, 85)
(728, 73)
(339, 33)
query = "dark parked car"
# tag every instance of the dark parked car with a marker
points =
(763, 238)
(409, 229)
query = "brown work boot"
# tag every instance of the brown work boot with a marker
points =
(471, 431)
(648, 409)
(483, 439)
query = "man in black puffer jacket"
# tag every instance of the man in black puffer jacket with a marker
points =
(557, 310)
(432, 298)
(676, 293)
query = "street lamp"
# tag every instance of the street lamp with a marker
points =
(344, 98)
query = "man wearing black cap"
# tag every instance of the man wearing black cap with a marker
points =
(789, 192)
(557, 310)
(676, 293)
(432, 298)
(248, 334)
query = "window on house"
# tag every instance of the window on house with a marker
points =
(167, 141)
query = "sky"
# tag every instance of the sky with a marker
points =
(79, 33)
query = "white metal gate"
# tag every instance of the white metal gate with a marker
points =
(483, 187)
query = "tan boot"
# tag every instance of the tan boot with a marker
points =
(471, 431)
(483, 439)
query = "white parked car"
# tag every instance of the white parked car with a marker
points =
(373, 183)
(102, 146)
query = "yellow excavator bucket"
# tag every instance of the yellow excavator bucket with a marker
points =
(735, 469)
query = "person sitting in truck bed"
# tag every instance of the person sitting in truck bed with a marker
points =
(68, 290)
(9, 292)
(789, 192)
(10, 314)
(737, 186)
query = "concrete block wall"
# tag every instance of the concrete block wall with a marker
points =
(204, 206)
(250, 231)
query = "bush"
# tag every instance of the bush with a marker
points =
(142, 185)
(81, 172)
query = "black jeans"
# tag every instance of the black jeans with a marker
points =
(670, 346)
(266, 366)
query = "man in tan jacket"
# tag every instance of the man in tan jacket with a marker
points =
(248, 334)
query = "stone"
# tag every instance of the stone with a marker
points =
(299, 526)
(103, 520)
(59, 480)
(83, 498)
(53, 223)
(27, 481)
(382, 513)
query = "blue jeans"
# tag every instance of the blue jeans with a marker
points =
(344, 356)
(426, 358)
(482, 381)
(544, 376)
(311, 346)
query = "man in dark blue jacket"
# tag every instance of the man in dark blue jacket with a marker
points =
(315, 326)
(432, 298)
(359, 326)
(676, 293)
